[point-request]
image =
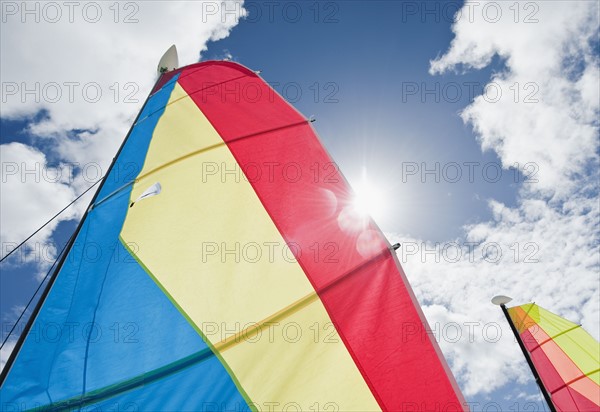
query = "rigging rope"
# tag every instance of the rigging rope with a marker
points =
(36, 291)
(51, 219)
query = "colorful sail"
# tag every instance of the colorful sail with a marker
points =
(565, 356)
(223, 267)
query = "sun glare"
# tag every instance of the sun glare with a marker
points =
(368, 198)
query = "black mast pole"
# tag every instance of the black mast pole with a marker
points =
(538, 380)
(63, 257)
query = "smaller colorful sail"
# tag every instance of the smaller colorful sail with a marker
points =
(566, 357)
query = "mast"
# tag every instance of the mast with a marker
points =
(167, 63)
(502, 301)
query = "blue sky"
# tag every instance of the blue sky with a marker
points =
(365, 54)
(364, 70)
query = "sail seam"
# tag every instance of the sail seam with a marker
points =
(191, 154)
(188, 95)
(211, 348)
(177, 76)
(572, 381)
(554, 337)
(184, 72)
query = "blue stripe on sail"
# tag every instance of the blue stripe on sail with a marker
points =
(131, 159)
(105, 320)
(201, 387)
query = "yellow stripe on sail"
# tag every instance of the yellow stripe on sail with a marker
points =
(199, 239)
(573, 340)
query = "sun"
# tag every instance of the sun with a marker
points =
(369, 199)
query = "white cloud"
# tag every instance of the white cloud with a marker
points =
(51, 72)
(546, 255)
(5, 352)
(66, 63)
(554, 226)
(553, 124)
(8, 319)
(32, 192)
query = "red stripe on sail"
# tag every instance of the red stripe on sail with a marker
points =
(358, 280)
